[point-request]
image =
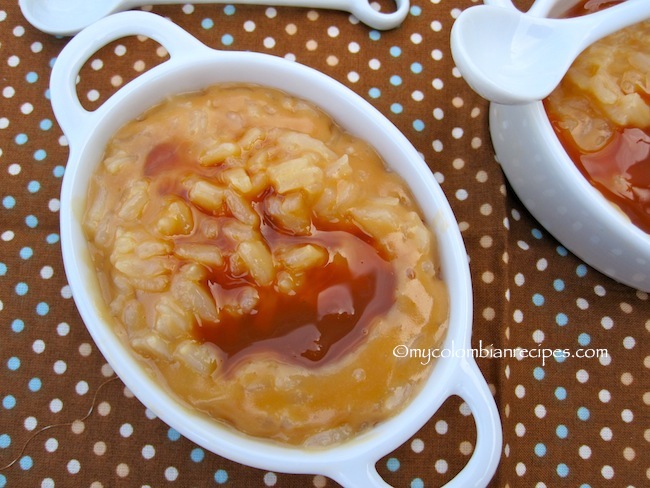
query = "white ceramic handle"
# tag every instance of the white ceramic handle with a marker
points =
(361, 9)
(72, 117)
(472, 388)
(468, 383)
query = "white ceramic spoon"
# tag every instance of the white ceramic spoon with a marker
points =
(510, 57)
(67, 17)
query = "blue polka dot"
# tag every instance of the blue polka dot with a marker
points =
(538, 299)
(31, 77)
(561, 319)
(560, 393)
(173, 435)
(52, 61)
(418, 125)
(393, 464)
(31, 221)
(581, 270)
(42, 309)
(395, 80)
(26, 253)
(395, 51)
(540, 450)
(3, 481)
(33, 186)
(21, 139)
(585, 485)
(561, 250)
(562, 470)
(374, 92)
(417, 483)
(46, 124)
(58, 171)
(415, 10)
(5, 441)
(47, 94)
(584, 339)
(583, 413)
(3, 269)
(538, 373)
(396, 108)
(8, 202)
(13, 363)
(40, 155)
(221, 476)
(17, 326)
(374, 35)
(9, 402)
(559, 356)
(22, 289)
(229, 10)
(558, 285)
(197, 455)
(416, 68)
(562, 431)
(207, 23)
(227, 40)
(26, 463)
(52, 238)
(34, 385)
(537, 234)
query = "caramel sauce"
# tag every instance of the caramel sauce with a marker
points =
(621, 169)
(331, 313)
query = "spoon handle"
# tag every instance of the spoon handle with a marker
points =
(359, 8)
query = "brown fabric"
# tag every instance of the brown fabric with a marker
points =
(66, 421)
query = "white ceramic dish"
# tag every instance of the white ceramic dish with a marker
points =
(192, 66)
(560, 198)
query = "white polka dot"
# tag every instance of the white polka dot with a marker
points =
(60, 367)
(441, 466)
(99, 448)
(606, 434)
(604, 396)
(627, 415)
(171, 473)
(607, 472)
(354, 47)
(56, 405)
(441, 427)
(30, 423)
(520, 391)
(38, 346)
(584, 452)
(78, 427)
(148, 451)
(126, 430)
(104, 409)
(51, 444)
(81, 388)
(520, 468)
(73, 466)
(270, 479)
(540, 411)
(249, 26)
(417, 445)
(520, 429)
(122, 470)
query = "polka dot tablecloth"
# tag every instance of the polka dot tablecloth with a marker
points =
(67, 421)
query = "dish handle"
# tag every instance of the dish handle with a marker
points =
(472, 388)
(73, 118)
(469, 384)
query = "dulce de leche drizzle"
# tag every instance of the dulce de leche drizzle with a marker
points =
(330, 314)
